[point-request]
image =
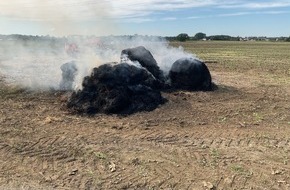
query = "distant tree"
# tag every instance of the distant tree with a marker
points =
(223, 38)
(170, 38)
(288, 39)
(182, 37)
(199, 36)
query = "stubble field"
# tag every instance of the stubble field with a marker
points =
(237, 137)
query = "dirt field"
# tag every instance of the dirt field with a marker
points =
(237, 137)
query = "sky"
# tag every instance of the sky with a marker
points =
(145, 17)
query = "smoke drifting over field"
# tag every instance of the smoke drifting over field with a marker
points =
(36, 65)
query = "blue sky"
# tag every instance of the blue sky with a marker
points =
(146, 17)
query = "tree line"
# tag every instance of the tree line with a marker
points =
(180, 37)
(202, 36)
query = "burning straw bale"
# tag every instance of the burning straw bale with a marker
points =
(145, 58)
(117, 88)
(134, 84)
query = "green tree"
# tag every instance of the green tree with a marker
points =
(199, 36)
(288, 39)
(182, 37)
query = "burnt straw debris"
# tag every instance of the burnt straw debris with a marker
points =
(135, 84)
(117, 88)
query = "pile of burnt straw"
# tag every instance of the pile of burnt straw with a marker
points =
(133, 85)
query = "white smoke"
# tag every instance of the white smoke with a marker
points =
(36, 62)
(37, 65)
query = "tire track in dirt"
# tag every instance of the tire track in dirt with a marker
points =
(210, 140)
(197, 145)
(205, 141)
(43, 155)
(188, 147)
(203, 150)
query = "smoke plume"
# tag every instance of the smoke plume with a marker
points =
(36, 64)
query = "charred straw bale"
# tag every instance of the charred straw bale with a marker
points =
(117, 88)
(145, 58)
(134, 84)
(190, 74)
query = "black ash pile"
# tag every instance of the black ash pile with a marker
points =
(135, 84)
(117, 88)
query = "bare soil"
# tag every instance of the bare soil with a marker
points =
(237, 137)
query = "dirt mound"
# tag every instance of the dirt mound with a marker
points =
(190, 74)
(117, 88)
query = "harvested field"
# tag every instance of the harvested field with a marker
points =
(237, 137)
